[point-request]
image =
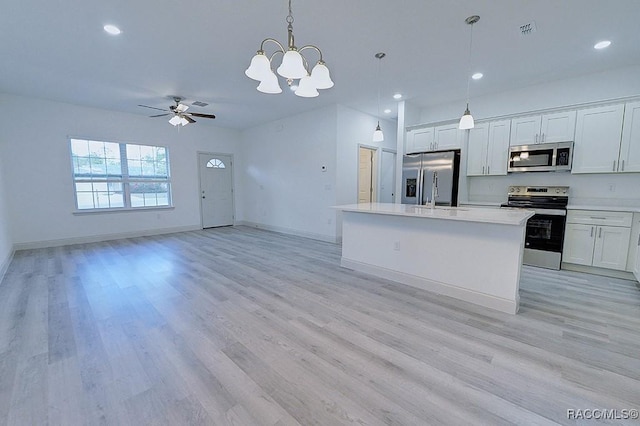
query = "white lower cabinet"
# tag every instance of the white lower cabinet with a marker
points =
(591, 240)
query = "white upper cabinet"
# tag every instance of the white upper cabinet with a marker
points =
(488, 148)
(419, 140)
(439, 138)
(597, 143)
(629, 160)
(446, 137)
(546, 128)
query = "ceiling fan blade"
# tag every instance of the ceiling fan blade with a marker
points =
(197, 114)
(147, 106)
(159, 115)
(189, 119)
(181, 107)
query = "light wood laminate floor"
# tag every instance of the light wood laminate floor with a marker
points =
(247, 327)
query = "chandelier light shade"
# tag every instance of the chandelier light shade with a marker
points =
(466, 121)
(293, 66)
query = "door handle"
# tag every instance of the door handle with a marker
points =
(592, 231)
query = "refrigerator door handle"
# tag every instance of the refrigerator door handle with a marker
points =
(419, 188)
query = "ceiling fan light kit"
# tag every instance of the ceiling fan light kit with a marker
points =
(294, 66)
(180, 115)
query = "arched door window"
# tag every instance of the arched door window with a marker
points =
(215, 163)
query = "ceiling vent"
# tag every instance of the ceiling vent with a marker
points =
(200, 104)
(528, 28)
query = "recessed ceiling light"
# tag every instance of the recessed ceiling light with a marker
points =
(602, 44)
(477, 76)
(112, 29)
(387, 111)
(397, 96)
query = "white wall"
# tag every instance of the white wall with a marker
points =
(280, 167)
(599, 189)
(355, 129)
(6, 242)
(284, 186)
(38, 179)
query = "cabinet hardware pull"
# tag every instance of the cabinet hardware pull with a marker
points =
(592, 231)
(600, 233)
(599, 218)
(488, 170)
(623, 165)
(482, 169)
(614, 166)
(542, 139)
(536, 138)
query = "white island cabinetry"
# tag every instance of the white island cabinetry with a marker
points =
(473, 254)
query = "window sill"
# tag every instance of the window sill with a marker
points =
(120, 210)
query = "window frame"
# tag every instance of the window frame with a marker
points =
(125, 179)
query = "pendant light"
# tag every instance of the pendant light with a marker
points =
(466, 121)
(378, 136)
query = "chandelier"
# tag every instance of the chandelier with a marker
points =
(293, 67)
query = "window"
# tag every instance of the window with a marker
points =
(215, 163)
(110, 175)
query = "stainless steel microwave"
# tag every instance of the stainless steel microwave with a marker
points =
(544, 157)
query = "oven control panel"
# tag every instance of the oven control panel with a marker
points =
(532, 191)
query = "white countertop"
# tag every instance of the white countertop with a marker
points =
(467, 214)
(634, 209)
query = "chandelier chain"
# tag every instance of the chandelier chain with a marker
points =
(290, 15)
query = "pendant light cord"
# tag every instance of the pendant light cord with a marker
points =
(469, 70)
(379, 57)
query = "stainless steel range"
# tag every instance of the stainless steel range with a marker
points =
(545, 229)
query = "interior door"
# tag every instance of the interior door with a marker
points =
(387, 177)
(216, 190)
(366, 175)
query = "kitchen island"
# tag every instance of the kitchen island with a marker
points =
(472, 254)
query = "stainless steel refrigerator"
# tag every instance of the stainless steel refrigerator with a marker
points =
(431, 173)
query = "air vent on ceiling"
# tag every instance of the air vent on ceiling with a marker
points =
(528, 28)
(200, 104)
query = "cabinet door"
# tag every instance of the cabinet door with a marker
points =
(558, 127)
(578, 243)
(498, 147)
(525, 130)
(611, 247)
(597, 142)
(477, 150)
(630, 145)
(446, 137)
(419, 140)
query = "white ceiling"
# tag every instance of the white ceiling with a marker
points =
(199, 49)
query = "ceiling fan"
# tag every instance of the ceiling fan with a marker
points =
(180, 116)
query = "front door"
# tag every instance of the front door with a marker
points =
(216, 193)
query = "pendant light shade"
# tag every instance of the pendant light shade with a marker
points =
(466, 121)
(378, 136)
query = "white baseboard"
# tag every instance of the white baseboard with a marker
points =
(103, 237)
(5, 265)
(289, 231)
(485, 300)
(598, 271)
